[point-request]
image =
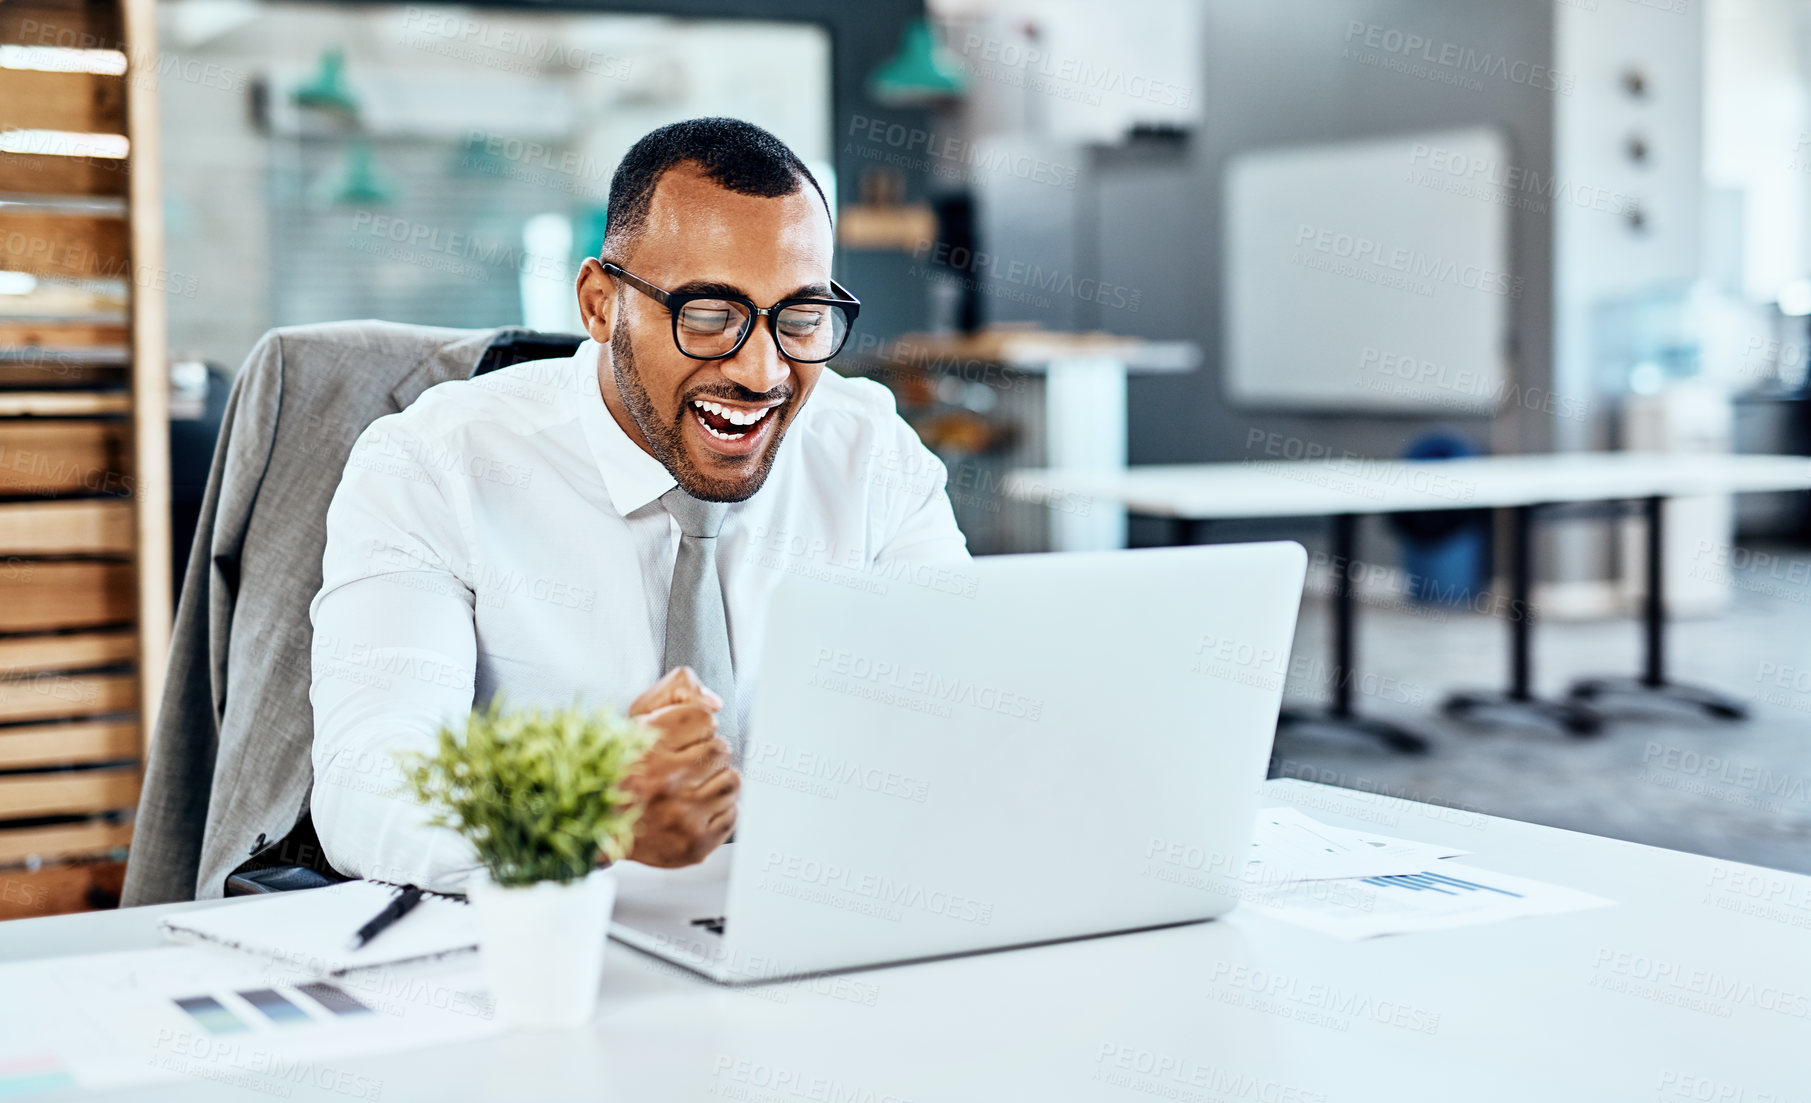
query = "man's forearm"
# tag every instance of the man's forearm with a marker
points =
(392, 665)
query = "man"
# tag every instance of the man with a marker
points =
(610, 528)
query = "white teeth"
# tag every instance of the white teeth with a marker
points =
(720, 436)
(731, 414)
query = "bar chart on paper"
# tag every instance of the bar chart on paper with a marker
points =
(1453, 896)
(1437, 882)
(1289, 845)
(120, 1019)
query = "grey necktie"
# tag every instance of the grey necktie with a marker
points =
(697, 627)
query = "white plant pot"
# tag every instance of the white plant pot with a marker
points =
(543, 947)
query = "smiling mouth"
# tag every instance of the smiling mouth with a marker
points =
(728, 423)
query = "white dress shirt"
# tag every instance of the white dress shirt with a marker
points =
(503, 534)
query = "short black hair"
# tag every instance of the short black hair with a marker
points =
(732, 153)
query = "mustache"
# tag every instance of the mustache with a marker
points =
(737, 393)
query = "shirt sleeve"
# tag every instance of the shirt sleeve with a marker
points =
(394, 656)
(922, 525)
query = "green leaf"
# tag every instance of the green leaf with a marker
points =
(538, 793)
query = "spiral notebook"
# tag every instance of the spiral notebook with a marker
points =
(310, 930)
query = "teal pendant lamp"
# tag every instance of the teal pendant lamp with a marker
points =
(920, 72)
(326, 90)
(361, 182)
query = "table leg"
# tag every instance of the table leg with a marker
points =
(1652, 683)
(1345, 542)
(1085, 430)
(1341, 715)
(1521, 610)
(1519, 699)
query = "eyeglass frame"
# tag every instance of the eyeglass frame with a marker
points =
(675, 301)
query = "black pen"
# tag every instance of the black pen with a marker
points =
(394, 910)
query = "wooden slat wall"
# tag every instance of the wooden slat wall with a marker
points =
(57, 244)
(85, 103)
(52, 595)
(57, 369)
(82, 886)
(84, 527)
(52, 695)
(41, 174)
(62, 335)
(72, 840)
(84, 470)
(67, 744)
(72, 24)
(69, 792)
(70, 651)
(63, 403)
(62, 457)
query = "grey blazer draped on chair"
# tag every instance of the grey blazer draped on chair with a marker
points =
(228, 767)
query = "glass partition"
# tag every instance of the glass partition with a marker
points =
(432, 164)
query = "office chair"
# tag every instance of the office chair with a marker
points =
(230, 755)
(272, 872)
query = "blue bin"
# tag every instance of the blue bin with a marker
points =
(1446, 553)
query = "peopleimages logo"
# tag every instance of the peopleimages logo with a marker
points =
(1471, 168)
(1690, 763)
(1341, 1004)
(53, 470)
(1173, 1076)
(1465, 384)
(761, 755)
(1459, 59)
(927, 684)
(993, 269)
(1706, 990)
(535, 54)
(742, 1078)
(1409, 264)
(1289, 451)
(796, 876)
(250, 1066)
(1051, 71)
(952, 151)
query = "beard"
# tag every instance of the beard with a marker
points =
(666, 439)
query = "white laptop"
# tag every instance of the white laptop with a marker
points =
(1040, 747)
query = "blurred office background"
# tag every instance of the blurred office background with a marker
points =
(1096, 233)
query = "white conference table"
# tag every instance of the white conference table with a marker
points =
(1348, 487)
(1672, 991)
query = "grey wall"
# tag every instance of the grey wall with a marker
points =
(1274, 74)
(863, 34)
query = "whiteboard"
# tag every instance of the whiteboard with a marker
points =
(1372, 274)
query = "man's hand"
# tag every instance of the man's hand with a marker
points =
(685, 783)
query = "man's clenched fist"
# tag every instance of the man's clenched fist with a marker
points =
(685, 783)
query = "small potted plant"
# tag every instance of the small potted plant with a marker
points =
(539, 794)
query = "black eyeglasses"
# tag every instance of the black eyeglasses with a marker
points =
(710, 325)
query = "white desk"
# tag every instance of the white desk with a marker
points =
(1546, 1009)
(1346, 488)
(1320, 488)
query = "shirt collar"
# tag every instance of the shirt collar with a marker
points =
(631, 476)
